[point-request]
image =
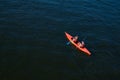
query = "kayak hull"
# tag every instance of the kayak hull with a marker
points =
(85, 50)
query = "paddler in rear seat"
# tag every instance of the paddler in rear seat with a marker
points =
(82, 44)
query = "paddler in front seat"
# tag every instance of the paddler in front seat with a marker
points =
(75, 39)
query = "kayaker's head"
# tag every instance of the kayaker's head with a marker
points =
(76, 37)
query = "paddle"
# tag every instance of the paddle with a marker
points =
(68, 43)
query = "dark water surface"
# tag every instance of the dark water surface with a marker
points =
(33, 44)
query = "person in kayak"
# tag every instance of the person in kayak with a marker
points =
(75, 39)
(82, 44)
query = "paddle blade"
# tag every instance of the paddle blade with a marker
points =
(68, 43)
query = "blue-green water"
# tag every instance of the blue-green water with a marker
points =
(33, 43)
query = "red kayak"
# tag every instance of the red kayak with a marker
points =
(85, 50)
